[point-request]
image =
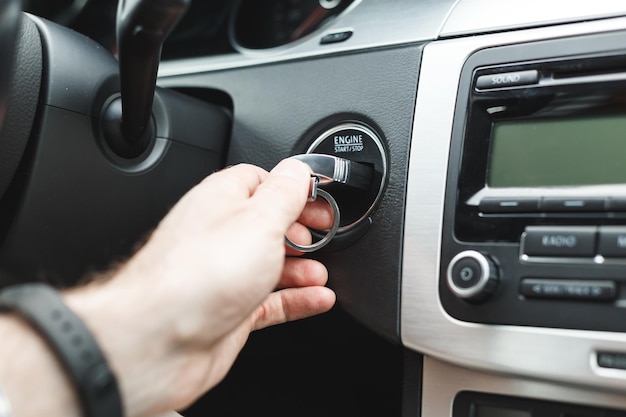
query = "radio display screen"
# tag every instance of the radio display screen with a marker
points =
(558, 152)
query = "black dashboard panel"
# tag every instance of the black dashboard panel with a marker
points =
(280, 109)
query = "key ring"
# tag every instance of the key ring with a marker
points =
(331, 232)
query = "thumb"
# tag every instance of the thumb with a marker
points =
(281, 197)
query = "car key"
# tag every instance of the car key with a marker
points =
(328, 169)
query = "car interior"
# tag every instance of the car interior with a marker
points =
(478, 252)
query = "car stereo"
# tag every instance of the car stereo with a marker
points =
(534, 228)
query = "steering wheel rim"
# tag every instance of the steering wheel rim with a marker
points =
(9, 11)
(21, 70)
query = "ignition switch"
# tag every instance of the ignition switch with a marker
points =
(356, 142)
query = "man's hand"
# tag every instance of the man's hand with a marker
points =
(173, 319)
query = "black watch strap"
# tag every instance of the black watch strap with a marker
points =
(73, 344)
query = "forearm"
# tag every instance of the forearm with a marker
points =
(35, 383)
(31, 375)
(125, 323)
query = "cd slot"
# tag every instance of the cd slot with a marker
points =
(588, 68)
(601, 77)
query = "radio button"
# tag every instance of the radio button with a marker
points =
(587, 290)
(572, 204)
(616, 204)
(508, 205)
(507, 79)
(612, 242)
(559, 241)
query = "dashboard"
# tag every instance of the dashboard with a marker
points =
(208, 27)
(482, 274)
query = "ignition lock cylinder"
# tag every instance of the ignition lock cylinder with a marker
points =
(349, 170)
(359, 143)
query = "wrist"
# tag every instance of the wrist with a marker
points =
(5, 407)
(122, 320)
(26, 351)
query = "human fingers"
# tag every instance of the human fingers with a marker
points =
(239, 181)
(293, 304)
(301, 272)
(317, 215)
(215, 197)
(299, 234)
(281, 197)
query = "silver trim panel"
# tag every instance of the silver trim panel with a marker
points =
(375, 23)
(480, 16)
(556, 354)
(442, 382)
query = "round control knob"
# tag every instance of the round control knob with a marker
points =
(472, 276)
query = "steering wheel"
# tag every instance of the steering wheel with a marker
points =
(92, 154)
(9, 11)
